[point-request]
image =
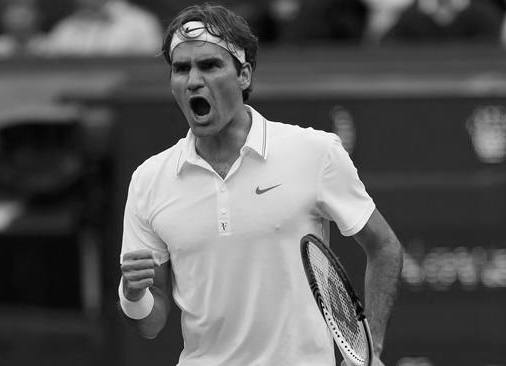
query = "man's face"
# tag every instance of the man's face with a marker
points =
(206, 86)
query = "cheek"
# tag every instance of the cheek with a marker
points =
(229, 91)
(176, 91)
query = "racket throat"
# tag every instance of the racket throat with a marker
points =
(351, 357)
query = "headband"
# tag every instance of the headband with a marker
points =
(197, 31)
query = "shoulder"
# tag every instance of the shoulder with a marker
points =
(156, 167)
(297, 137)
(151, 181)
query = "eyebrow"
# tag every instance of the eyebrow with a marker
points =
(210, 59)
(180, 63)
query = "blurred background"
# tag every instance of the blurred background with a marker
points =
(415, 88)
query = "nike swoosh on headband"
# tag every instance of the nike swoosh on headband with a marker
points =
(188, 32)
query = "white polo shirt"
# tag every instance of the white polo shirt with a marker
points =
(234, 243)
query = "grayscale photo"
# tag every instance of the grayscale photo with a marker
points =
(253, 182)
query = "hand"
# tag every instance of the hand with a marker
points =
(138, 270)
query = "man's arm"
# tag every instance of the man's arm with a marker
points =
(140, 272)
(384, 264)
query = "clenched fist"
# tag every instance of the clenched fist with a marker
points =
(138, 270)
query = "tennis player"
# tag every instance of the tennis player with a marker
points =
(215, 220)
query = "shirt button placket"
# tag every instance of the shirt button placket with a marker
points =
(223, 211)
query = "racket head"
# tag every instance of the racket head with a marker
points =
(338, 303)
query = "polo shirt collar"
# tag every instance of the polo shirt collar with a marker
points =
(255, 142)
(257, 136)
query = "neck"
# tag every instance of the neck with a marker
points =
(226, 145)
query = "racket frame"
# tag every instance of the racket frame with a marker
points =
(358, 307)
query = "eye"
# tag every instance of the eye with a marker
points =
(180, 68)
(209, 65)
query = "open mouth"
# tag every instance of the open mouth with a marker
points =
(200, 106)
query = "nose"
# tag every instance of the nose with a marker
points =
(195, 80)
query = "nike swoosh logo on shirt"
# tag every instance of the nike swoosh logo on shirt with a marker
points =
(262, 191)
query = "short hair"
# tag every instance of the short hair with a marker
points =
(220, 22)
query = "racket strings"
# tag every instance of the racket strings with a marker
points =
(337, 301)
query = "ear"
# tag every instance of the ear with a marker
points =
(245, 76)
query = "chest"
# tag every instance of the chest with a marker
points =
(206, 209)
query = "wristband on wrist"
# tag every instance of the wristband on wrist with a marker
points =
(139, 309)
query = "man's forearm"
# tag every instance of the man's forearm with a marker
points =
(150, 326)
(381, 286)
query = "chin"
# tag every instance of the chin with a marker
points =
(202, 130)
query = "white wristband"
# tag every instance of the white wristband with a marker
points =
(139, 309)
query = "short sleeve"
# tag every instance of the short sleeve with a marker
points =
(341, 195)
(137, 231)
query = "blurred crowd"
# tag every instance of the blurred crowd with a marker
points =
(126, 27)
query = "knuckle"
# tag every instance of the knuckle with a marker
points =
(138, 286)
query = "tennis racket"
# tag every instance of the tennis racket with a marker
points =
(338, 302)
